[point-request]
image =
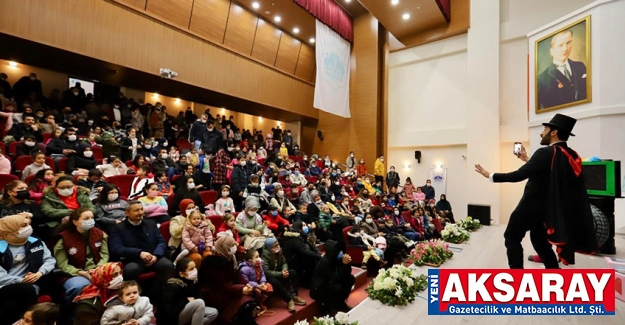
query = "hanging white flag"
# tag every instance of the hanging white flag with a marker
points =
(332, 86)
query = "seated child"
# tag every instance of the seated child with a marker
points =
(229, 228)
(39, 163)
(251, 270)
(358, 237)
(42, 179)
(225, 203)
(45, 313)
(283, 280)
(94, 183)
(141, 179)
(325, 221)
(113, 167)
(128, 307)
(197, 238)
(274, 221)
(164, 187)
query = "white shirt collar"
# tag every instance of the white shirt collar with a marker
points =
(566, 63)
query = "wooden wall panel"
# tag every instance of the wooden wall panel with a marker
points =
(12, 16)
(288, 53)
(136, 4)
(175, 12)
(306, 63)
(209, 19)
(266, 42)
(240, 30)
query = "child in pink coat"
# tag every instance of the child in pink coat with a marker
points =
(197, 238)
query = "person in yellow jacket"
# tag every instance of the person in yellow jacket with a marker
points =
(284, 151)
(379, 170)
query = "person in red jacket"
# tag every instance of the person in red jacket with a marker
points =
(416, 223)
(274, 221)
(228, 228)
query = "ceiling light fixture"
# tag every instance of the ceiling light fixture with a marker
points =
(177, 100)
(13, 63)
(394, 2)
(312, 39)
(406, 16)
(155, 96)
(295, 30)
(255, 5)
(348, 1)
(277, 19)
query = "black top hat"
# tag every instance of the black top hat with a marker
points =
(563, 123)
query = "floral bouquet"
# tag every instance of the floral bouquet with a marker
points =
(469, 224)
(455, 234)
(339, 319)
(433, 253)
(396, 286)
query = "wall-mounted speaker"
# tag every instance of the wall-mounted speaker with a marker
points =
(320, 135)
(417, 156)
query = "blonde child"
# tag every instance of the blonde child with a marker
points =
(193, 157)
(39, 163)
(128, 307)
(174, 154)
(197, 238)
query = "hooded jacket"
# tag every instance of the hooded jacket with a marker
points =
(329, 270)
(248, 272)
(192, 236)
(78, 160)
(117, 312)
(54, 209)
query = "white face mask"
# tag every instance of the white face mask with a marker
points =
(87, 224)
(25, 232)
(164, 156)
(71, 137)
(116, 283)
(191, 275)
(88, 154)
(30, 143)
(225, 193)
(396, 213)
(188, 211)
(243, 163)
(280, 193)
(165, 144)
(251, 213)
(369, 220)
(148, 146)
(113, 197)
(66, 191)
(233, 250)
(191, 186)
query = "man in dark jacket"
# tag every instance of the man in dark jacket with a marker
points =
(300, 255)
(163, 163)
(430, 192)
(64, 145)
(5, 86)
(26, 85)
(28, 127)
(197, 130)
(554, 207)
(140, 245)
(239, 183)
(332, 280)
(212, 138)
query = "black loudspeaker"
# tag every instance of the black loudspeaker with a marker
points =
(320, 135)
(479, 212)
(417, 156)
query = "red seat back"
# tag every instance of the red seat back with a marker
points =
(164, 229)
(123, 182)
(20, 163)
(209, 197)
(97, 152)
(50, 162)
(62, 165)
(217, 221)
(4, 148)
(6, 179)
(355, 252)
(46, 136)
(29, 178)
(13, 148)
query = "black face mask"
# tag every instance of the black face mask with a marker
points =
(23, 195)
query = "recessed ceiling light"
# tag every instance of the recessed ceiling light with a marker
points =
(295, 30)
(277, 19)
(348, 1)
(255, 5)
(312, 39)
(406, 16)
(267, 12)
(394, 2)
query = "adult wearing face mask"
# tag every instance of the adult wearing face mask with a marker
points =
(379, 170)
(279, 200)
(163, 163)
(83, 161)
(212, 138)
(140, 244)
(61, 200)
(81, 249)
(105, 282)
(188, 191)
(25, 259)
(223, 287)
(351, 161)
(392, 178)
(16, 200)
(300, 254)
(197, 130)
(332, 279)
(239, 183)
(65, 145)
(430, 192)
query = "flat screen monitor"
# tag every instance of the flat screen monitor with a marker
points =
(88, 86)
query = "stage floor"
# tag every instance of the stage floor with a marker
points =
(484, 250)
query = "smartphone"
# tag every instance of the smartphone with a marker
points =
(517, 148)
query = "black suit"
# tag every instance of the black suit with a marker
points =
(555, 89)
(531, 211)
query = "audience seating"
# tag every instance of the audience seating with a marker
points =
(46, 136)
(6, 179)
(209, 197)
(62, 165)
(4, 149)
(217, 221)
(164, 229)
(354, 251)
(175, 178)
(20, 163)
(29, 179)
(42, 147)
(97, 153)
(123, 182)
(170, 204)
(13, 148)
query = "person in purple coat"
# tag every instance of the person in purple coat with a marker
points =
(252, 270)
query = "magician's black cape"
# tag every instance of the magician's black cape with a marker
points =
(568, 220)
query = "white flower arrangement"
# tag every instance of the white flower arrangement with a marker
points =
(469, 224)
(396, 286)
(455, 234)
(339, 319)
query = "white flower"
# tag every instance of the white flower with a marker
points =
(409, 282)
(301, 322)
(398, 291)
(389, 283)
(377, 285)
(395, 274)
(445, 232)
(342, 318)
(414, 274)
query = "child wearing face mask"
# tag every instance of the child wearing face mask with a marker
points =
(81, 162)
(251, 269)
(197, 238)
(359, 238)
(224, 204)
(40, 182)
(181, 299)
(110, 208)
(39, 163)
(274, 221)
(28, 146)
(128, 307)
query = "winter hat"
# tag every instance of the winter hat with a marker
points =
(269, 242)
(183, 206)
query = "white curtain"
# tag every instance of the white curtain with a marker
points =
(332, 86)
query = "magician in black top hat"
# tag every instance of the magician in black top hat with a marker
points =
(554, 207)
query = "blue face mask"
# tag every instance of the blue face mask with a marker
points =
(333, 174)
(297, 172)
(359, 183)
(305, 230)
(340, 256)
(274, 213)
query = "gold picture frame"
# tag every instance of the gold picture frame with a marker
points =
(568, 83)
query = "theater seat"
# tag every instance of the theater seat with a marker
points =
(209, 197)
(164, 229)
(123, 182)
(44, 298)
(353, 251)
(6, 179)
(217, 221)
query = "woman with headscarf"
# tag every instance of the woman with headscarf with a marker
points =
(105, 281)
(82, 161)
(60, 200)
(250, 225)
(332, 280)
(444, 208)
(224, 288)
(25, 260)
(176, 224)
